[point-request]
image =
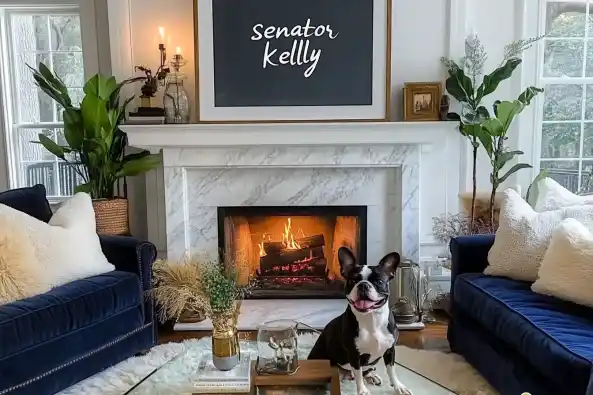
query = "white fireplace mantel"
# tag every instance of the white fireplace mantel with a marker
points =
(156, 137)
(375, 164)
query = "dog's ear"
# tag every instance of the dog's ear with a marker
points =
(347, 261)
(389, 264)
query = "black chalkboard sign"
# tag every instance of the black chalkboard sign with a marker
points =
(292, 52)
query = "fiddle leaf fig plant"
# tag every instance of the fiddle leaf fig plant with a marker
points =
(469, 85)
(493, 134)
(95, 143)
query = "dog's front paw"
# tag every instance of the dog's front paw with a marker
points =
(373, 379)
(401, 389)
(347, 375)
(363, 390)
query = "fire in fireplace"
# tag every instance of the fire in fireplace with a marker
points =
(291, 252)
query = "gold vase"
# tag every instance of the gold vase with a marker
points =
(225, 340)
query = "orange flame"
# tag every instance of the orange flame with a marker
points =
(288, 240)
(262, 251)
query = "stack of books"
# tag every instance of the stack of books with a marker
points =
(146, 116)
(213, 381)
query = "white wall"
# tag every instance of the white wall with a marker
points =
(423, 32)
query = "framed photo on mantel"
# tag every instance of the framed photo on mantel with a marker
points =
(293, 60)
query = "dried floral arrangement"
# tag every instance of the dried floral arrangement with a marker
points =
(195, 284)
(447, 226)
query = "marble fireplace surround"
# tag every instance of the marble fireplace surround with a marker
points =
(384, 178)
(373, 164)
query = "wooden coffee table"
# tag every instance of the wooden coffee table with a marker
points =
(312, 377)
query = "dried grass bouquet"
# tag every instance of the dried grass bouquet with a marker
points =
(195, 284)
(447, 226)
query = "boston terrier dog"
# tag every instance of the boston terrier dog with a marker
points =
(366, 331)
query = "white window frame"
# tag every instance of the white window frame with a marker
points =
(8, 99)
(530, 135)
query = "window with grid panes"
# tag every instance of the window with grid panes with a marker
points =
(53, 37)
(566, 74)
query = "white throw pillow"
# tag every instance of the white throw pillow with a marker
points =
(553, 196)
(523, 236)
(20, 272)
(566, 271)
(67, 248)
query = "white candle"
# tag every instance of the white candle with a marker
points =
(162, 34)
(178, 50)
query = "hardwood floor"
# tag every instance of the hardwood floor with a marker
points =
(433, 337)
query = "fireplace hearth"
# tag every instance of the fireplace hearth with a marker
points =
(291, 252)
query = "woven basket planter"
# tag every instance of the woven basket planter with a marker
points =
(112, 216)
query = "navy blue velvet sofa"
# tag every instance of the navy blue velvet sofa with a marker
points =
(54, 340)
(520, 341)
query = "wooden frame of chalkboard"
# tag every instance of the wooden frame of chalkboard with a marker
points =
(293, 60)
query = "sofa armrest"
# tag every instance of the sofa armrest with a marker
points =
(469, 254)
(130, 255)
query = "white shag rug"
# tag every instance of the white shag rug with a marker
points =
(447, 369)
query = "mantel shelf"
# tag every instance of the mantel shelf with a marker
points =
(286, 134)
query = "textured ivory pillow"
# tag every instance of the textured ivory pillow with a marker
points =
(553, 196)
(68, 247)
(523, 236)
(20, 274)
(566, 271)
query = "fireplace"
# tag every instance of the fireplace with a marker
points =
(291, 252)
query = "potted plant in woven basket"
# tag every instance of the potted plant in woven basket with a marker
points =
(96, 145)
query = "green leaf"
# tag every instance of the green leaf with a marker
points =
(51, 146)
(483, 112)
(73, 128)
(94, 116)
(139, 155)
(492, 80)
(124, 108)
(504, 157)
(528, 95)
(506, 113)
(487, 141)
(532, 191)
(493, 127)
(462, 129)
(138, 166)
(475, 131)
(100, 86)
(480, 93)
(52, 85)
(460, 86)
(513, 170)
(120, 140)
(495, 107)
(87, 187)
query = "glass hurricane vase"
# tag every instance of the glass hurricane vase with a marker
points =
(175, 99)
(277, 345)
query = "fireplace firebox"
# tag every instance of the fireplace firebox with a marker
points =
(291, 252)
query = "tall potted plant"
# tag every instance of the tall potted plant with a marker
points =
(493, 132)
(464, 85)
(95, 144)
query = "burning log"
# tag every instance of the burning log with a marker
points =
(276, 247)
(285, 257)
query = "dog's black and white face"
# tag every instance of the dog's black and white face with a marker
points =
(367, 287)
